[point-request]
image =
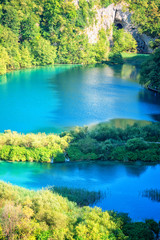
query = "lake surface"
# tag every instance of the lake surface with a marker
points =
(123, 184)
(50, 99)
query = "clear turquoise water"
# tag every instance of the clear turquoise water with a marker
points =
(122, 184)
(51, 99)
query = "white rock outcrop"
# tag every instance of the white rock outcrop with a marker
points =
(115, 14)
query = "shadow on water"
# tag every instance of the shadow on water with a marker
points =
(135, 170)
(150, 97)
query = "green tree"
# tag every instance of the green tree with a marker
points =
(4, 60)
(44, 53)
(123, 41)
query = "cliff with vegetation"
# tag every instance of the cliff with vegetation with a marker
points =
(34, 33)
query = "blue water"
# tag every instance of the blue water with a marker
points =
(50, 99)
(122, 184)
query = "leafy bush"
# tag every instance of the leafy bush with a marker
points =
(123, 41)
(136, 144)
(115, 58)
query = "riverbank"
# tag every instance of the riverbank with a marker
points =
(135, 58)
(153, 89)
(130, 58)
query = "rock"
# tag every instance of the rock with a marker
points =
(115, 14)
(104, 19)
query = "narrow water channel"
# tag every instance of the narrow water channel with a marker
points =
(122, 185)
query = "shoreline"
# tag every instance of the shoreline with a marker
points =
(126, 56)
(136, 163)
(153, 90)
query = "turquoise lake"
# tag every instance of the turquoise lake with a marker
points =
(122, 184)
(53, 99)
(50, 99)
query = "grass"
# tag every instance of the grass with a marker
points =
(134, 58)
(82, 197)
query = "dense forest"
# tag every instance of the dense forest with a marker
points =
(43, 215)
(34, 33)
(100, 142)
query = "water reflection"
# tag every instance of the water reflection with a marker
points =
(3, 79)
(136, 170)
(123, 123)
(52, 99)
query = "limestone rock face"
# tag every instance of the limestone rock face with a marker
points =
(123, 19)
(114, 14)
(104, 19)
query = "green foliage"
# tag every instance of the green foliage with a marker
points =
(26, 58)
(74, 48)
(107, 143)
(136, 144)
(4, 60)
(44, 214)
(43, 52)
(38, 32)
(135, 59)
(59, 157)
(123, 41)
(150, 74)
(138, 231)
(31, 147)
(115, 58)
(102, 46)
(100, 142)
(43, 32)
(153, 226)
(146, 16)
(105, 3)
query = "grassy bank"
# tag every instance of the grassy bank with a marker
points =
(43, 215)
(134, 58)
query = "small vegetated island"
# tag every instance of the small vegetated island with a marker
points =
(99, 142)
(36, 33)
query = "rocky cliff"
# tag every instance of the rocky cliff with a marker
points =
(114, 14)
